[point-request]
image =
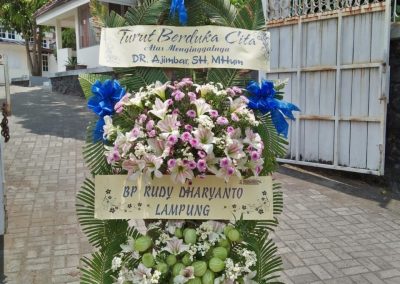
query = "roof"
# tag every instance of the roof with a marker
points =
(50, 5)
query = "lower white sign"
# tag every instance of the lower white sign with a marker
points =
(209, 198)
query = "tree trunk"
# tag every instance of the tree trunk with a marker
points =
(28, 55)
(37, 51)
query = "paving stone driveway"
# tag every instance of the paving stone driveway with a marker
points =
(332, 231)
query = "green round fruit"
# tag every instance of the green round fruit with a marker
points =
(178, 233)
(200, 267)
(227, 229)
(162, 267)
(148, 260)
(142, 243)
(234, 235)
(190, 236)
(195, 280)
(220, 252)
(224, 243)
(176, 270)
(186, 259)
(208, 277)
(216, 265)
(171, 259)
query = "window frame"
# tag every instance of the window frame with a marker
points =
(45, 63)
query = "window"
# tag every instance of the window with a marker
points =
(2, 33)
(31, 39)
(45, 62)
(11, 34)
(87, 32)
(44, 43)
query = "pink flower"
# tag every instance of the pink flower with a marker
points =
(224, 162)
(234, 117)
(194, 142)
(178, 95)
(255, 155)
(230, 129)
(214, 114)
(119, 107)
(152, 133)
(113, 156)
(150, 125)
(237, 90)
(230, 171)
(169, 102)
(135, 132)
(192, 96)
(175, 111)
(172, 139)
(202, 165)
(142, 118)
(222, 120)
(171, 163)
(202, 154)
(176, 246)
(133, 166)
(188, 127)
(186, 136)
(191, 113)
(192, 165)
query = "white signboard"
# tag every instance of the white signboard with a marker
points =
(185, 47)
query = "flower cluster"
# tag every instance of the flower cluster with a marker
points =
(176, 252)
(184, 130)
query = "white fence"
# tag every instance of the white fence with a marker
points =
(335, 54)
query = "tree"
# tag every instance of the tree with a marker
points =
(19, 16)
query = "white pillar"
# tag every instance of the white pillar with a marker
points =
(77, 37)
(58, 35)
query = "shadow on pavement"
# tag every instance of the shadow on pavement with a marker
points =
(47, 113)
(359, 185)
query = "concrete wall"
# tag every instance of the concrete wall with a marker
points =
(62, 57)
(89, 56)
(53, 66)
(17, 60)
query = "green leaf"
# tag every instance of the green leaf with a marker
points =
(87, 80)
(136, 78)
(147, 12)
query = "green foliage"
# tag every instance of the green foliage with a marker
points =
(135, 78)
(19, 16)
(68, 38)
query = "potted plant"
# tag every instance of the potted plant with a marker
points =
(72, 64)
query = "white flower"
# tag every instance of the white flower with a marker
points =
(142, 274)
(160, 108)
(129, 248)
(116, 263)
(176, 246)
(172, 225)
(155, 277)
(153, 164)
(205, 137)
(169, 126)
(201, 106)
(206, 89)
(108, 127)
(159, 89)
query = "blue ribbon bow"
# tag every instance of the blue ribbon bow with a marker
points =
(179, 6)
(262, 98)
(105, 96)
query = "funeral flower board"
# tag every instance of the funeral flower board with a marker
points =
(190, 150)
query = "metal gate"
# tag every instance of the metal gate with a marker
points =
(335, 54)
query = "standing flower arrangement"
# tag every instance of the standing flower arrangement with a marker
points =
(184, 130)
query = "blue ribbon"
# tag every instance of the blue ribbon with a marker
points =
(105, 96)
(179, 6)
(262, 98)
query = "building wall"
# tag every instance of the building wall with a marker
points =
(17, 60)
(89, 56)
(52, 66)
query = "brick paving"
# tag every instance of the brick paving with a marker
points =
(333, 230)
